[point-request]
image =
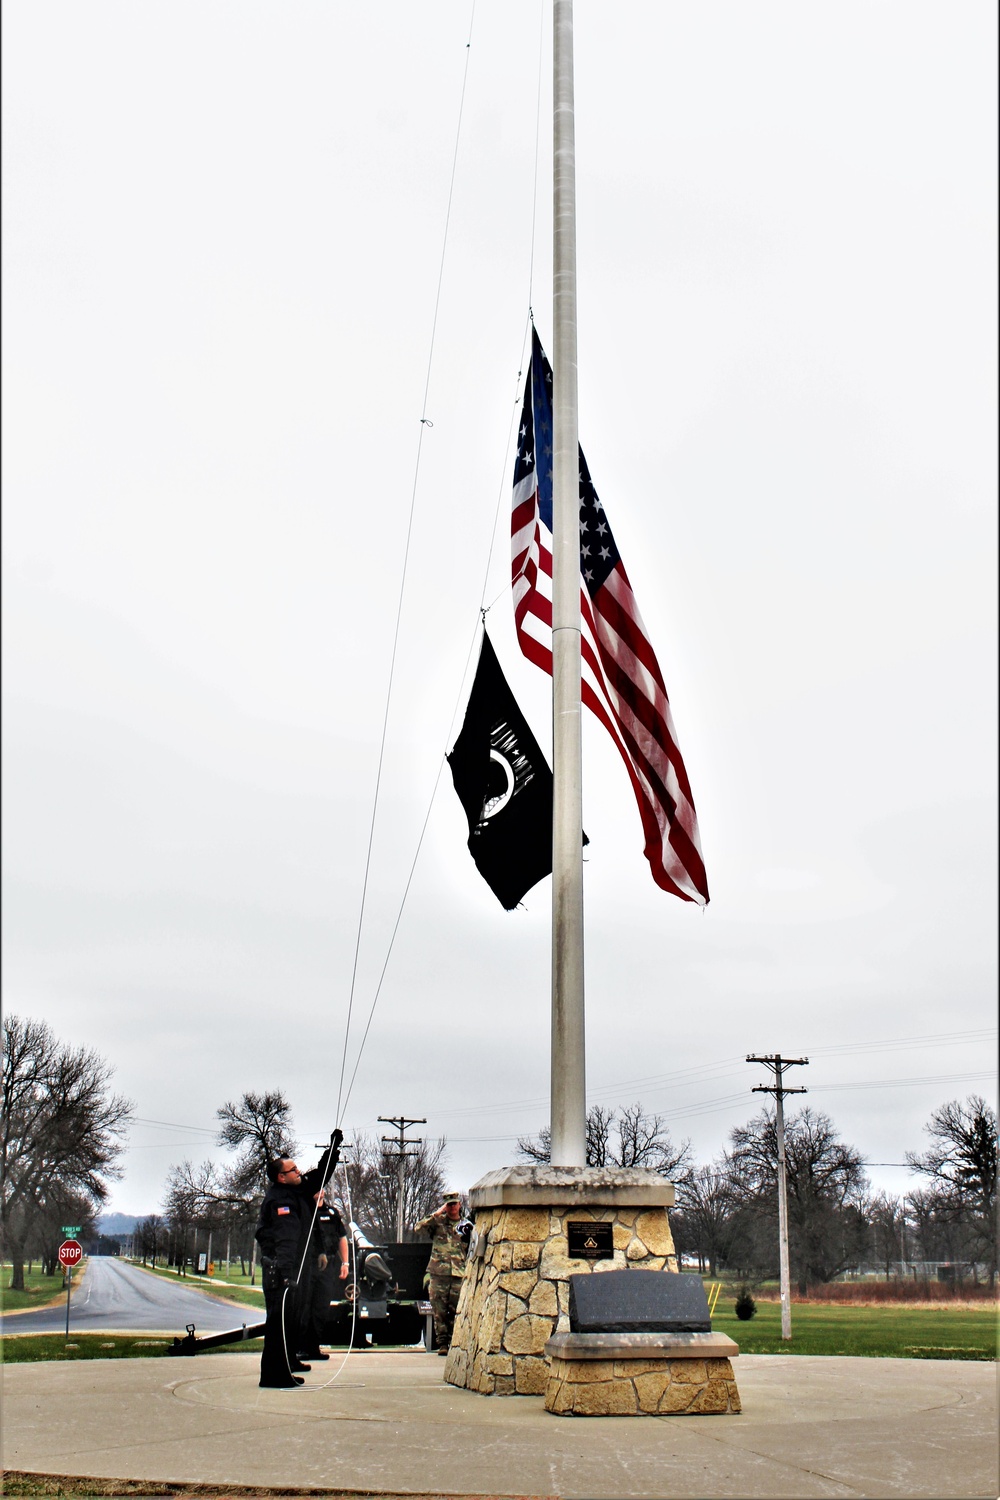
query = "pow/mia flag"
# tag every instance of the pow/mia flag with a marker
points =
(505, 785)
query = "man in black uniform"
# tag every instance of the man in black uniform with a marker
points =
(326, 1263)
(283, 1231)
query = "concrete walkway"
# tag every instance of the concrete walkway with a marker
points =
(389, 1425)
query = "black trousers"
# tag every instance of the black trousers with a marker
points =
(306, 1333)
(280, 1304)
(325, 1289)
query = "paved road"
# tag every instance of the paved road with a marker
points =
(119, 1297)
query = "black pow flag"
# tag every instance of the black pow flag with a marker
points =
(505, 785)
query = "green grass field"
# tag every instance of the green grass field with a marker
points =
(234, 1288)
(877, 1332)
(38, 1291)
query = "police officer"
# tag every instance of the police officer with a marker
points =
(447, 1265)
(282, 1234)
(327, 1261)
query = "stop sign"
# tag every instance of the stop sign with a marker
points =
(70, 1253)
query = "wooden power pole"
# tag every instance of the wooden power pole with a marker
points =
(401, 1123)
(777, 1064)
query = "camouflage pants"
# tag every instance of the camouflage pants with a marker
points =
(444, 1303)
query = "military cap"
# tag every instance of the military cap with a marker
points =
(452, 1198)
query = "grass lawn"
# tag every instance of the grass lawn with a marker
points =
(28, 1348)
(881, 1332)
(39, 1290)
(236, 1288)
(876, 1332)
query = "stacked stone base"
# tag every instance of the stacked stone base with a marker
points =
(516, 1290)
(629, 1375)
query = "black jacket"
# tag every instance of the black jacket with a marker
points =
(283, 1227)
(287, 1212)
(329, 1231)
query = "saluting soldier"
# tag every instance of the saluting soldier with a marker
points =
(447, 1265)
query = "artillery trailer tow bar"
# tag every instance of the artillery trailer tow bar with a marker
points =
(191, 1345)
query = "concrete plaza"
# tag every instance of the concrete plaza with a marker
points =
(387, 1424)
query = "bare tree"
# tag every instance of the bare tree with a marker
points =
(704, 1223)
(645, 1141)
(626, 1137)
(962, 1165)
(207, 1200)
(224, 1199)
(886, 1218)
(259, 1128)
(826, 1189)
(61, 1132)
(370, 1168)
(148, 1239)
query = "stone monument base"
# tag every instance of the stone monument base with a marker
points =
(641, 1375)
(515, 1295)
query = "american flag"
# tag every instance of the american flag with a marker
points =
(621, 681)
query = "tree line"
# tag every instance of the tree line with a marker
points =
(63, 1129)
(217, 1203)
(62, 1132)
(726, 1214)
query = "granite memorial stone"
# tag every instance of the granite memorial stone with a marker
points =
(638, 1302)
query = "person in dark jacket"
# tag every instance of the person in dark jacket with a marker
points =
(286, 1216)
(326, 1265)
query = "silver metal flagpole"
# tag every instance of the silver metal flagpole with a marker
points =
(568, 1103)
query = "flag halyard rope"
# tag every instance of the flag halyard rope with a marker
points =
(424, 423)
(343, 1097)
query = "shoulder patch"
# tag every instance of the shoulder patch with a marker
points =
(283, 1210)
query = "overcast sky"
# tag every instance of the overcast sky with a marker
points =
(224, 226)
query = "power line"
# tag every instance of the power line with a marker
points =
(896, 1083)
(685, 1077)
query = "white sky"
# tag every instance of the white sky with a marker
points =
(223, 229)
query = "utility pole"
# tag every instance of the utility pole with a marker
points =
(401, 1123)
(777, 1064)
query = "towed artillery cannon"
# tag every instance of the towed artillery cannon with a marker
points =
(383, 1302)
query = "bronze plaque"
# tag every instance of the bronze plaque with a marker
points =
(589, 1241)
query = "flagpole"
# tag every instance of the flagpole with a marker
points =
(568, 1088)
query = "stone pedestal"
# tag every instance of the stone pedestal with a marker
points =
(516, 1290)
(641, 1375)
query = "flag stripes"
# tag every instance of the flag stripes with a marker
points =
(621, 682)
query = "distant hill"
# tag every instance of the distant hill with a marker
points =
(112, 1224)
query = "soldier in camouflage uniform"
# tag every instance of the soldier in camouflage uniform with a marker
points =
(447, 1265)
